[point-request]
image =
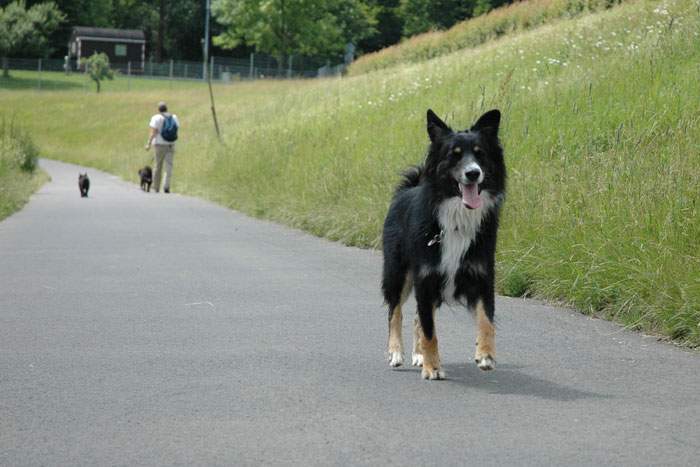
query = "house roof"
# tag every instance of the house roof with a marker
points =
(108, 33)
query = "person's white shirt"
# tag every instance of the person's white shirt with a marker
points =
(157, 123)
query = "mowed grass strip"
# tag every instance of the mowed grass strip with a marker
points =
(601, 132)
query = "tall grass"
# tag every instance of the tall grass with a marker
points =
(519, 16)
(601, 129)
(18, 162)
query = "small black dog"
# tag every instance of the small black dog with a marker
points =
(146, 175)
(83, 184)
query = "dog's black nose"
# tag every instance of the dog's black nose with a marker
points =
(472, 175)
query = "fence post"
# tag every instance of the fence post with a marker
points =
(128, 76)
(252, 64)
(211, 67)
(39, 69)
(289, 66)
(185, 70)
(171, 73)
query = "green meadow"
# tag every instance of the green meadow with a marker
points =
(601, 129)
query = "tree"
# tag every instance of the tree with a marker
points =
(98, 68)
(423, 15)
(96, 13)
(25, 30)
(282, 28)
(173, 29)
(389, 26)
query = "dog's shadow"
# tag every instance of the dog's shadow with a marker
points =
(508, 379)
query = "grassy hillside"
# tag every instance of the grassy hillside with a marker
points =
(519, 16)
(601, 129)
(19, 177)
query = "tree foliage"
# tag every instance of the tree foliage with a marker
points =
(98, 68)
(424, 15)
(25, 30)
(389, 26)
(174, 28)
(282, 28)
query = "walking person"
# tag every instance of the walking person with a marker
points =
(163, 134)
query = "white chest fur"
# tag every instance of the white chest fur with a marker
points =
(460, 226)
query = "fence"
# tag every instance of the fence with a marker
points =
(222, 69)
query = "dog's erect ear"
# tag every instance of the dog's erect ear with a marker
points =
(488, 122)
(436, 127)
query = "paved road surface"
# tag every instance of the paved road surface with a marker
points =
(144, 329)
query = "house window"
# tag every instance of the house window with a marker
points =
(120, 50)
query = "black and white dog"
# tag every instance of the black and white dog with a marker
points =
(440, 238)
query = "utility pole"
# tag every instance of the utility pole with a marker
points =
(207, 76)
(205, 45)
(161, 31)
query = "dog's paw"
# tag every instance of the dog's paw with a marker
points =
(395, 359)
(417, 359)
(432, 373)
(485, 362)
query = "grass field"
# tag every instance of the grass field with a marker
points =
(601, 131)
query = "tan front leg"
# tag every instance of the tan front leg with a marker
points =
(429, 352)
(485, 355)
(431, 359)
(395, 340)
(417, 355)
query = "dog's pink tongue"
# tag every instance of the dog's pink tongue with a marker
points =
(470, 196)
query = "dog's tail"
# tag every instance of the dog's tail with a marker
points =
(411, 178)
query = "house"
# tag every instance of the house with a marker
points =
(126, 48)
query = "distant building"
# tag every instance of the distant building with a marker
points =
(124, 47)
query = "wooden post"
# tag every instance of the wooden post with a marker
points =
(213, 109)
(252, 64)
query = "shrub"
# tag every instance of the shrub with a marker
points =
(17, 150)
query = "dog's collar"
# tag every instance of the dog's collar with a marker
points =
(437, 238)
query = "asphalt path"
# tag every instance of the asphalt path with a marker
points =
(154, 329)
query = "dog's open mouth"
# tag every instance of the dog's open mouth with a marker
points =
(471, 196)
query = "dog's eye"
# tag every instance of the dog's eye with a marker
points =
(477, 150)
(457, 151)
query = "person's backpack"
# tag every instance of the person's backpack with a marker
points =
(169, 130)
